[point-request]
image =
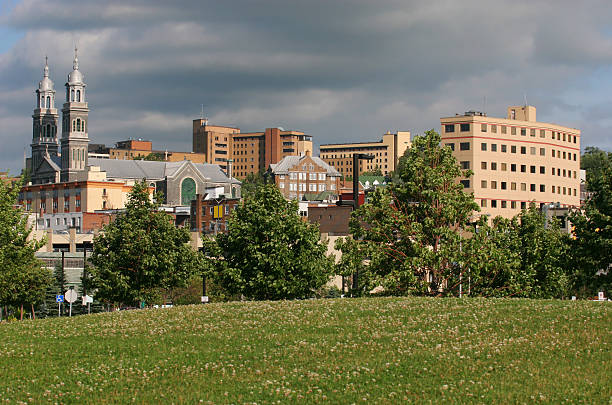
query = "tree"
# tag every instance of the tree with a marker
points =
(415, 226)
(252, 181)
(269, 252)
(155, 157)
(141, 254)
(22, 279)
(592, 226)
(375, 172)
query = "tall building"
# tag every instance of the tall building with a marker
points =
(45, 163)
(74, 125)
(306, 177)
(386, 153)
(251, 152)
(516, 160)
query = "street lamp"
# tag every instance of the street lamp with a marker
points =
(356, 158)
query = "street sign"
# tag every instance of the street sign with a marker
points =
(59, 298)
(204, 299)
(87, 299)
(71, 296)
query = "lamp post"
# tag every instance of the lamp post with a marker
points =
(356, 158)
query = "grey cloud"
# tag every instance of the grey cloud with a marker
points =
(340, 70)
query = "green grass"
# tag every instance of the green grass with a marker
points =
(383, 350)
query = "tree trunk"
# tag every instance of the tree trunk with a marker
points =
(33, 313)
(21, 313)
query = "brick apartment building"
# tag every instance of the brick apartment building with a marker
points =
(386, 153)
(210, 215)
(306, 177)
(251, 152)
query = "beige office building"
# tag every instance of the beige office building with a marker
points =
(516, 160)
(386, 153)
(250, 152)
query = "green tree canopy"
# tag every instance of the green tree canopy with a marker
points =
(141, 253)
(414, 226)
(22, 280)
(269, 252)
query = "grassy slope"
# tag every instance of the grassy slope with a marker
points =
(386, 350)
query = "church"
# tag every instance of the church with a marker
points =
(67, 189)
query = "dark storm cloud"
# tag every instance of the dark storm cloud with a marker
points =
(340, 70)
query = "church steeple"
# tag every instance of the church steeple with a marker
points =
(74, 124)
(44, 126)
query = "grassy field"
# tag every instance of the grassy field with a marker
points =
(384, 350)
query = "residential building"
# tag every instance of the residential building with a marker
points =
(251, 152)
(209, 213)
(386, 153)
(516, 160)
(306, 177)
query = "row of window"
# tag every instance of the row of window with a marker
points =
(504, 204)
(311, 187)
(302, 176)
(349, 155)
(465, 165)
(503, 185)
(465, 127)
(514, 149)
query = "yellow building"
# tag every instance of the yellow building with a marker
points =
(250, 152)
(386, 153)
(516, 160)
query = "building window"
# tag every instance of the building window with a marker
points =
(503, 129)
(523, 186)
(464, 145)
(493, 147)
(493, 165)
(542, 170)
(542, 133)
(451, 146)
(513, 186)
(321, 187)
(523, 131)
(523, 205)
(532, 132)
(449, 128)
(504, 148)
(483, 146)
(466, 183)
(281, 185)
(483, 203)
(542, 188)
(532, 169)
(542, 152)
(532, 150)
(513, 130)
(494, 129)
(321, 176)
(504, 167)
(483, 165)
(465, 127)
(483, 127)
(523, 168)
(483, 184)
(504, 204)
(465, 165)
(504, 185)
(532, 187)
(513, 167)
(493, 203)
(523, 150)
(494, 184)
(513, 148)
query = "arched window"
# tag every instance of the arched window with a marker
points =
(78, 125)
(48, 132)
(48, 102)
(78, 96)
(188, 191)
(71, 95)
(73, 125)
(83, 125)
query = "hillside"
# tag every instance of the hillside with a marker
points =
(383, 350)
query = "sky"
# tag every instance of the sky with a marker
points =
(339, 70)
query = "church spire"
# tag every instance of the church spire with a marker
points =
(46, 69)
(75, 62)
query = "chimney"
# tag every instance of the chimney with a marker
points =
(230, 168)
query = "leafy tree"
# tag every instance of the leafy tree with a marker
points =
(141, 254)
(21, 277)
(595, 159)
(352, 263)
(592, 225)
(155, 157)
(269, 252)
(375, 172)
(252, 181)
(414, 227)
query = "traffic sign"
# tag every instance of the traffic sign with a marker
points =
(71, 296)
(87, 299)
(59, 298)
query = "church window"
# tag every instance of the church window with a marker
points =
(188, 191)
(78, 125)
(71, 95)
(73, 125)
(83, 125)
(48, 102)
(78, 96)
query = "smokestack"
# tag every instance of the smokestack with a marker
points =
(230, 168)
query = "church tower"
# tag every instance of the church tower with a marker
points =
(74, 125)
(44, 126)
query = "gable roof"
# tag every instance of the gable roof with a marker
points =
(289, 162)
(150, 170)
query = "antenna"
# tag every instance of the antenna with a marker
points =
(525, 98)
(202, 113)
(484, 104)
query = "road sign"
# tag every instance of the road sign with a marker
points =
(59, 298)
(87, 299)
(71, 296)
(204, 298)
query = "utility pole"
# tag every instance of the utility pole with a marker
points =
(356, 158)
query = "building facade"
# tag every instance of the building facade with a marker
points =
(251, 152)
(306, 177)
(209, 214)
(386, 153)
(516, 160)
(140, 149)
